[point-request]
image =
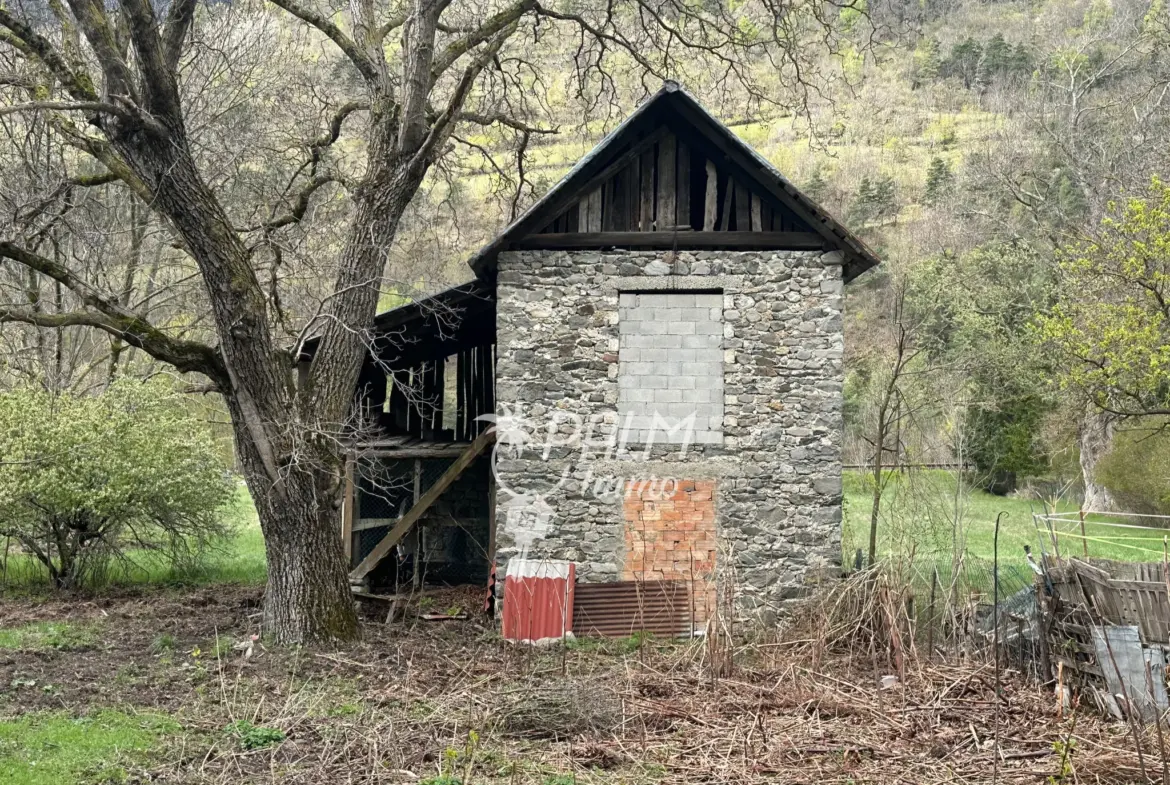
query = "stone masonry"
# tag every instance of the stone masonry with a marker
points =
(774, 474)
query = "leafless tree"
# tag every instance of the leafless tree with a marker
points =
(130, 98)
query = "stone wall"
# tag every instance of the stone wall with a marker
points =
(776, 476)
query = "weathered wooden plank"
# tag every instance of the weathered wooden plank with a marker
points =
(742, 208)
(667, 183)
(683, 188)
(790, 241)
(461, 398)
(488, 376)
(426, 450)
(757, 215)
(728, 191)
(407, 521)
(610, 211)
(711, 204)
(621, 206)
(633, 206)
(590, 213)
(646, 192)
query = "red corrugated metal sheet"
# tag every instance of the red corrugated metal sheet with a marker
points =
(616, 610)
(538, 600)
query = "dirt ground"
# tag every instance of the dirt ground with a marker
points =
(444, 702)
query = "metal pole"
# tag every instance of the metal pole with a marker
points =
(995, 621)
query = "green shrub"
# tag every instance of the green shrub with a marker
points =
(88, 478)
(254, 737)
(1137, 470)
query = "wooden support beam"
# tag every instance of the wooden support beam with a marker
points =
(430, 450)
(407, 521)
(788, 241)
(757, 222)
(683, 186)
(348, 512)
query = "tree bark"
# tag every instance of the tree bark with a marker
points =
(1095, 439)
(307, 597)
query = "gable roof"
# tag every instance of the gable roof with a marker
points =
(674, 107)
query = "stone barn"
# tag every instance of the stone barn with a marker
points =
(639, 395)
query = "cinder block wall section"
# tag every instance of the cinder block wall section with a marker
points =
(576, 338)
(670, 365)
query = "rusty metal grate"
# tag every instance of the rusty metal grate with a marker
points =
(616, 610)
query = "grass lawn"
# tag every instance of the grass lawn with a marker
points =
(449, 702)
(918, 507)
(42, 635)
(54, 748)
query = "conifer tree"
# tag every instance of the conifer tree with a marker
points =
(939, 179)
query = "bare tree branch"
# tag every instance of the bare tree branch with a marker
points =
(186, 356)
(334, 33)
(484, 32)
(27, 40)
(68, 106)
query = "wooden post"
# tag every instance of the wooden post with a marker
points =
(1052, 536)
(416, 532)
(1084, 536)
(348, 511)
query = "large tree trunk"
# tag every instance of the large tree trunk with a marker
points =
(307, 598)
(287, 442)
(1095, 439)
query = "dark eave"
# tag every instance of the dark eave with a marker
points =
(439, 316)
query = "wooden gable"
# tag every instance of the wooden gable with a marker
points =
(663, 184)
(673, 176)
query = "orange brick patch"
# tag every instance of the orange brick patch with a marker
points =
(672, 537)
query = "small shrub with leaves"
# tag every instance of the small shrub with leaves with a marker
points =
(86, 479)
(254, 737)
